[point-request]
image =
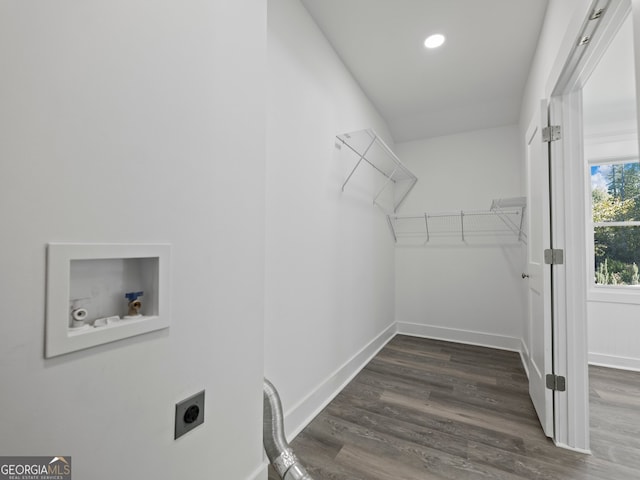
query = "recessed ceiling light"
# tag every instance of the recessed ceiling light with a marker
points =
(434, 41)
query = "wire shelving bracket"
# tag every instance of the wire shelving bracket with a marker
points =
(371, 149)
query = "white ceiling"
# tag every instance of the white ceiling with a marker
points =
(476, 80)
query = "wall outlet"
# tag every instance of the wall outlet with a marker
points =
(189, 414)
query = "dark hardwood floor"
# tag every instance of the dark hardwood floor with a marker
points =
(426, 409)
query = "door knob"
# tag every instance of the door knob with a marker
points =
(525, 275)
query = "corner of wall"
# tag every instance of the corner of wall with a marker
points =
(469, 337)
(524, 356)
(301, 414)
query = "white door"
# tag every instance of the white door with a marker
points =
(539, 279)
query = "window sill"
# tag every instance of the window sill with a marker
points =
(614, 294)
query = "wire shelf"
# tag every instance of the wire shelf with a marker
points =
(503, 222)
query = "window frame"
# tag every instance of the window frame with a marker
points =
(597, 292)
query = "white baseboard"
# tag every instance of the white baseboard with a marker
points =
(469, 337)
(261, 473)
(301, 414)
(613, 361)
(573, 449)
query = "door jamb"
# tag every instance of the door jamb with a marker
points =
(564, 91)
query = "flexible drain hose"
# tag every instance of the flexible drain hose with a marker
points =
(278, 451)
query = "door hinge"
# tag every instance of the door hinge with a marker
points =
(551, 133)
(556, 383)
(554, 256)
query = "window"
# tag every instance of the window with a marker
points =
(615, 212)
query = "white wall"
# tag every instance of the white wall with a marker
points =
(136, 121)
(613, 335)
(330, 257)
(456, 291)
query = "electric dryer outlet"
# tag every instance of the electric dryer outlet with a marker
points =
(189, 414)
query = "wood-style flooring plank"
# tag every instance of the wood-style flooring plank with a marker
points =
(427, 409)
